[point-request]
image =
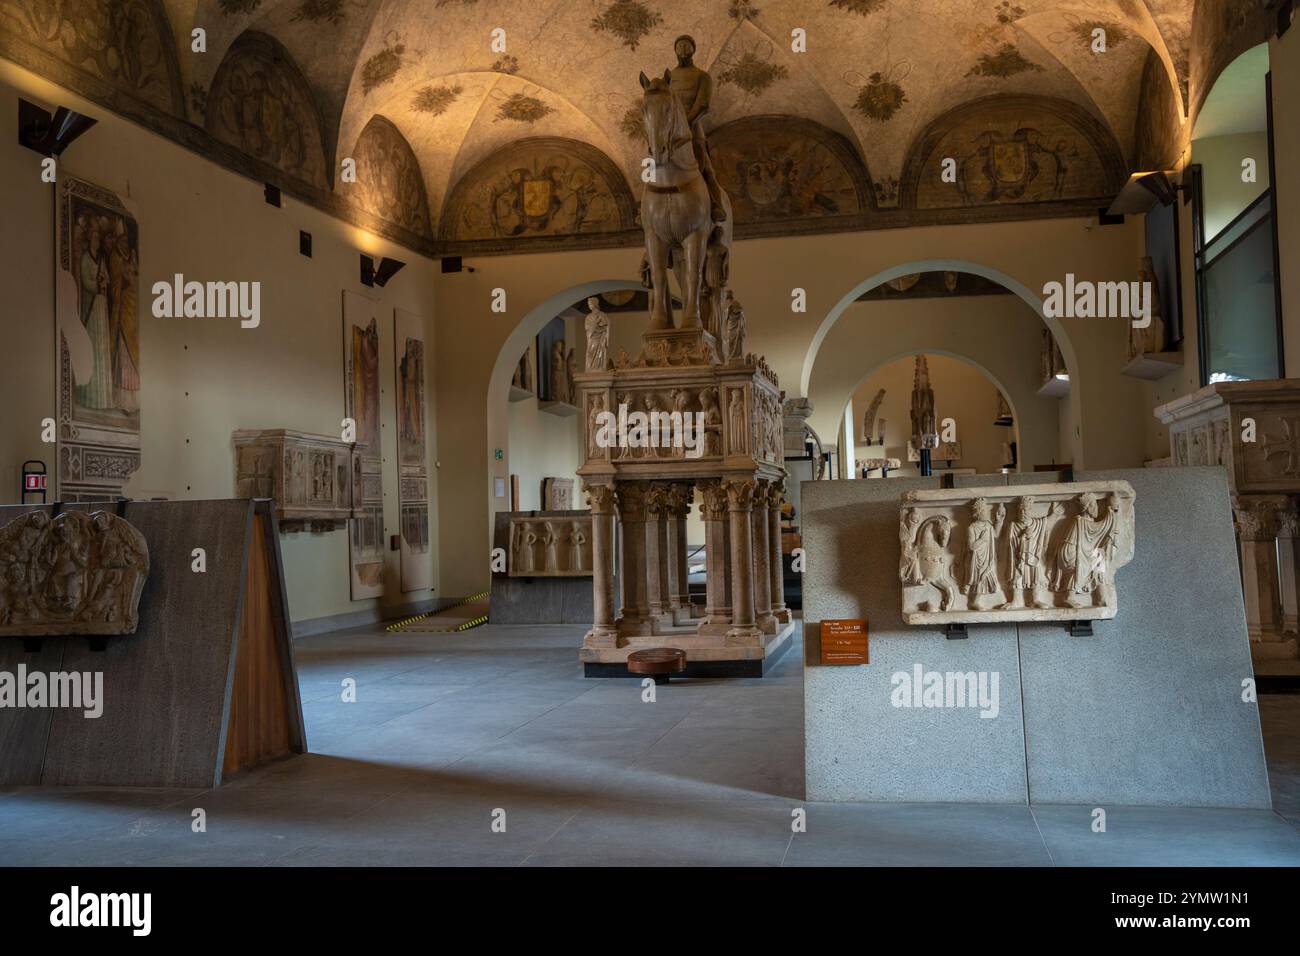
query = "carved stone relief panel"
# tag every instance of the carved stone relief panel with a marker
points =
(76, 573)
(550, 547)
(308, 476)
(557, 494)
(1032, 553)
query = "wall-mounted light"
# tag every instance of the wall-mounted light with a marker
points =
(1141, 193)
(49, 134)
(379, 277)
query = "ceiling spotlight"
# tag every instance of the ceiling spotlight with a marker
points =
(49, 134)
(379, 277)
(1141, 193)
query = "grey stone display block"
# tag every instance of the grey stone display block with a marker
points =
(1147, 711)
(858, 745)
(539, 600)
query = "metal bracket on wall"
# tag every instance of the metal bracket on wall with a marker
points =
(1079, 628)
(955, 632)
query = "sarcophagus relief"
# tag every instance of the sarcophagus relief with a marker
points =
(74, 573)
(550, 546)
(1029, 553)
(310, 477)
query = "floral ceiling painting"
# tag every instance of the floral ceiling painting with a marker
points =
(288, 89)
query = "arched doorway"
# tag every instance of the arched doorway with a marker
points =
(953, 339)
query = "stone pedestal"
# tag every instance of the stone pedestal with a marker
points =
(1253, 430)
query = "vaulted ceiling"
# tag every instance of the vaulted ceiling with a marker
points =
(426, 95)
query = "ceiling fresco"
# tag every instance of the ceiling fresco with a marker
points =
(826, 137)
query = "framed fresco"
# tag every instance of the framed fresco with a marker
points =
(361, 404)
(412, 451)
(97, 308)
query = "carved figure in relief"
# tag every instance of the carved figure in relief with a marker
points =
(682, 407)
(734, 332)
(576, 540)
(982, 551)
(655, 413)
(627, 449)
(712, 421)
(925, 558)
(551, 543)
(597, 337)
(527, 548)
(570, 373)
(1028, 544)
(737, 426)
(1087, 553)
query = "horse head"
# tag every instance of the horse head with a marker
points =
(663, 119)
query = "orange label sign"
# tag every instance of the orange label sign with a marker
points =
(844, 642)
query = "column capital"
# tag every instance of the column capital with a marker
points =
(657, 499)
(631, 501)
(600, 498)
(714, 500)
(1256, 516)
(775, 493)
(679, 500)
(740, 493)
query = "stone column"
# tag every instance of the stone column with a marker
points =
(774, 495)
(658, 596)
(679, 506)
(603, 632)
(1288, 524)
(1257, 539)
(762, 551)
(635, 614)
(713, 508)
(740, 508)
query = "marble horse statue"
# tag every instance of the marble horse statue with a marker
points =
(680, 231)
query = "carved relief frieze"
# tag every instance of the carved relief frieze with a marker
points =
(1035, 553)
(75, 573)
(550, 547)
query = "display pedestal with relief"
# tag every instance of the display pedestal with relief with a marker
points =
(1253, 430)
(734, 472)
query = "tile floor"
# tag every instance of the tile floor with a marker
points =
(448, 729)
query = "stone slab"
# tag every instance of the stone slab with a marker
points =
(1149, 711)
(538, 600)
(859, 746)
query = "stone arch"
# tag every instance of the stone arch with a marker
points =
(1035, 302)
(995, 380)
(498, 390)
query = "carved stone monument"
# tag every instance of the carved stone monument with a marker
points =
(308, 476)
(681, 422)
(1031, 553)
(75, 573)
(1253, 430)
(547, 546)
(557, 494)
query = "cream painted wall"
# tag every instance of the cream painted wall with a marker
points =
(478, 347)
(1000, 336)
(961, 392)
(1221, 158)
(204, 378)
(542, 445)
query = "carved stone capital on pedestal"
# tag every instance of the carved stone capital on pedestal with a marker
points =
(740, 493)
(714, 500)
(775, 493)
(600, 498)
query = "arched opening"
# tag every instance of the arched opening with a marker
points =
(877, 418)
(536, 431)
(971, 317)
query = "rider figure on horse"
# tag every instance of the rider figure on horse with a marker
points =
(694, 88)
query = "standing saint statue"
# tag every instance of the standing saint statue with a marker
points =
(733, 332)
(737, 424)
(559, 373)
(576, 540)
(1028, 540)
(597, 337)
(982, 551)
(1151, 338)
